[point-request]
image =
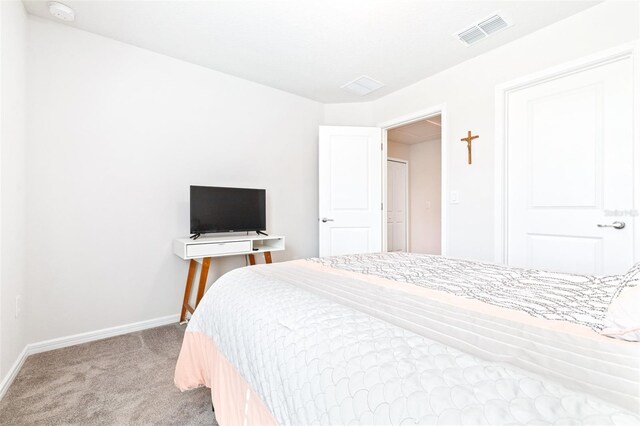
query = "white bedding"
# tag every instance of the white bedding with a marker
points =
(580, 299)
(322, 348)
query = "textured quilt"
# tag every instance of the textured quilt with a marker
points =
(580, 299)
(318, 343)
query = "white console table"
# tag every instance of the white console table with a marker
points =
(204, 249)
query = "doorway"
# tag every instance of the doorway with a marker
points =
(414, 186)
(352, 175)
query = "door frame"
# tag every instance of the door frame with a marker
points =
(502, 92)
(407, 242)
(441, 110)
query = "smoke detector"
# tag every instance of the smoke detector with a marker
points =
(362, 85)
(61, 11)
(482, 29)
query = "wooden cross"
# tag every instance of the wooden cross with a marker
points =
(468, 140)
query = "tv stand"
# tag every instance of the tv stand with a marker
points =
(202, 250)
(262, 233)
(195, 236)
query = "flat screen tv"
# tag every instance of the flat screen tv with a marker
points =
(218, 209)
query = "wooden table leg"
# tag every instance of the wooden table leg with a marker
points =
(204, 273)
(187, 289)
(252, 258)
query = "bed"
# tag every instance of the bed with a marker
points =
(397, 338)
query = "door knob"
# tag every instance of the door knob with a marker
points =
(616, 225)
(325, 220)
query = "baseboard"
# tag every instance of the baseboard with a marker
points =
(13, 372)
(77, 339)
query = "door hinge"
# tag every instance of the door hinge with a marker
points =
(381, 147)
(381, 206)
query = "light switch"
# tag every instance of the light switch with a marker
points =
(428, 205)
(455, 197)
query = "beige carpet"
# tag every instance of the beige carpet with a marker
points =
(117, 381)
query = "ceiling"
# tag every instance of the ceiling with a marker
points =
(312, 47)
(416, 132)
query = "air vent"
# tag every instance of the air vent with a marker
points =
(472, 35)
(493, 24)
(484, 28)
(362, 85)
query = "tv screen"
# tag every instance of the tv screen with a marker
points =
(217, 209)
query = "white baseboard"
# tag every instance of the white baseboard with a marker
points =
(77, 339)
(13, 372)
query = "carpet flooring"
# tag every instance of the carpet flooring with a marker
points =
(123, 380)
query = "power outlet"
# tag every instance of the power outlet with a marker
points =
(18, 306)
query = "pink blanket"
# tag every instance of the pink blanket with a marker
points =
(201, 364)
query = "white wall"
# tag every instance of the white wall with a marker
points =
(13, 44)
(425, 187)
(352, 114)
(117, 135)
(468, 92)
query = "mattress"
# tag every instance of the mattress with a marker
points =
(403, 339)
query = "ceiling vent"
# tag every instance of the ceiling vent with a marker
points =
(493, 24)
(484, 28)
(471, 35)
(362, 85)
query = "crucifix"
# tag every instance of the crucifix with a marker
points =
(468, 140)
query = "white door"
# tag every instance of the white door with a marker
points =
(396, 205)
(350, 187)
(570, 169)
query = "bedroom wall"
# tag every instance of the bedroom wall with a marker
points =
(468, 92)
(349, 114)
(13, 45)
(117, 136)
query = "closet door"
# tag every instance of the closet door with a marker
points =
(570, 172)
